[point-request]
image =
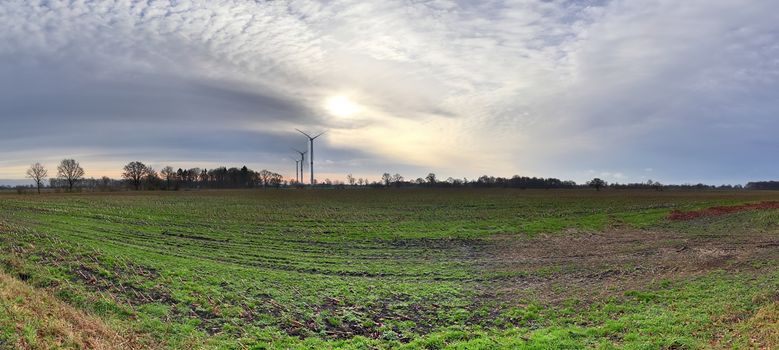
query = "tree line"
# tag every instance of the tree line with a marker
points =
(138, 176)
(141, 176)
(484, 181)
(763, 185)
(525, 182)
(432, 180)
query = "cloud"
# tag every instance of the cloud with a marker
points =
(549, 88)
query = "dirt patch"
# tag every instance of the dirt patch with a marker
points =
(112, 284)
(677, 215)
(590, 266)
(376, 321)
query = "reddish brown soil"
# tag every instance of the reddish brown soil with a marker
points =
(721, 210)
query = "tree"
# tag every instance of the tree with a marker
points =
(245, 176)
(597, 183)
(193, 175)
(265, 177)
(218, 176)
(168, 174)
(386, 178)
(351, 179)
(105, 182)
(152, 178)
(37, 173)
(135, 172)
(276, 179)
(397, 179)
(70, 171)
(204, 177)
(431, 179)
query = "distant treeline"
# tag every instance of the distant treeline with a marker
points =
(431, 180)
(169, 179)
(139, 176)
(524, 182)
(763, 185)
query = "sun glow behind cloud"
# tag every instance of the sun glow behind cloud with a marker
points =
(342, 106)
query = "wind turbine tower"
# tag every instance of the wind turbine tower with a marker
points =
(297, 174)
(311, 156)
(302, 162)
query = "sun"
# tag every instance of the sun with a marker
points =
(341, 106)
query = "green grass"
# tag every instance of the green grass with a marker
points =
(366, 269)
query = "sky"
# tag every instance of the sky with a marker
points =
(674, 91)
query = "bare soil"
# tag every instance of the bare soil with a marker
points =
(595, 265)
(721, 210)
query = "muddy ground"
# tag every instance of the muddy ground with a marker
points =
(589, 266)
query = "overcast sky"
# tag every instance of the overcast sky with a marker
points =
(675, 91)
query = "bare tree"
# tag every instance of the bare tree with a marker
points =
(265, 177)
(351, 179)
(386, 178)
(276, 179)
(397, 179)
(204, 176)
(37, 173)
(431, 179)
(135, 172)
(152, 178)
(168, 174)
(70, 171)
(193, 174)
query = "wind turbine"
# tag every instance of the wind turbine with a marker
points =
(297, 174)
(311, 156)
(302, 162)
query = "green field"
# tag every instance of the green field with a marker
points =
(375, 269)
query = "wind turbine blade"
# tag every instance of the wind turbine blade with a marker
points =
(307, 135)
(320, 134)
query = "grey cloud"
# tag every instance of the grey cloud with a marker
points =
(47, 96)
